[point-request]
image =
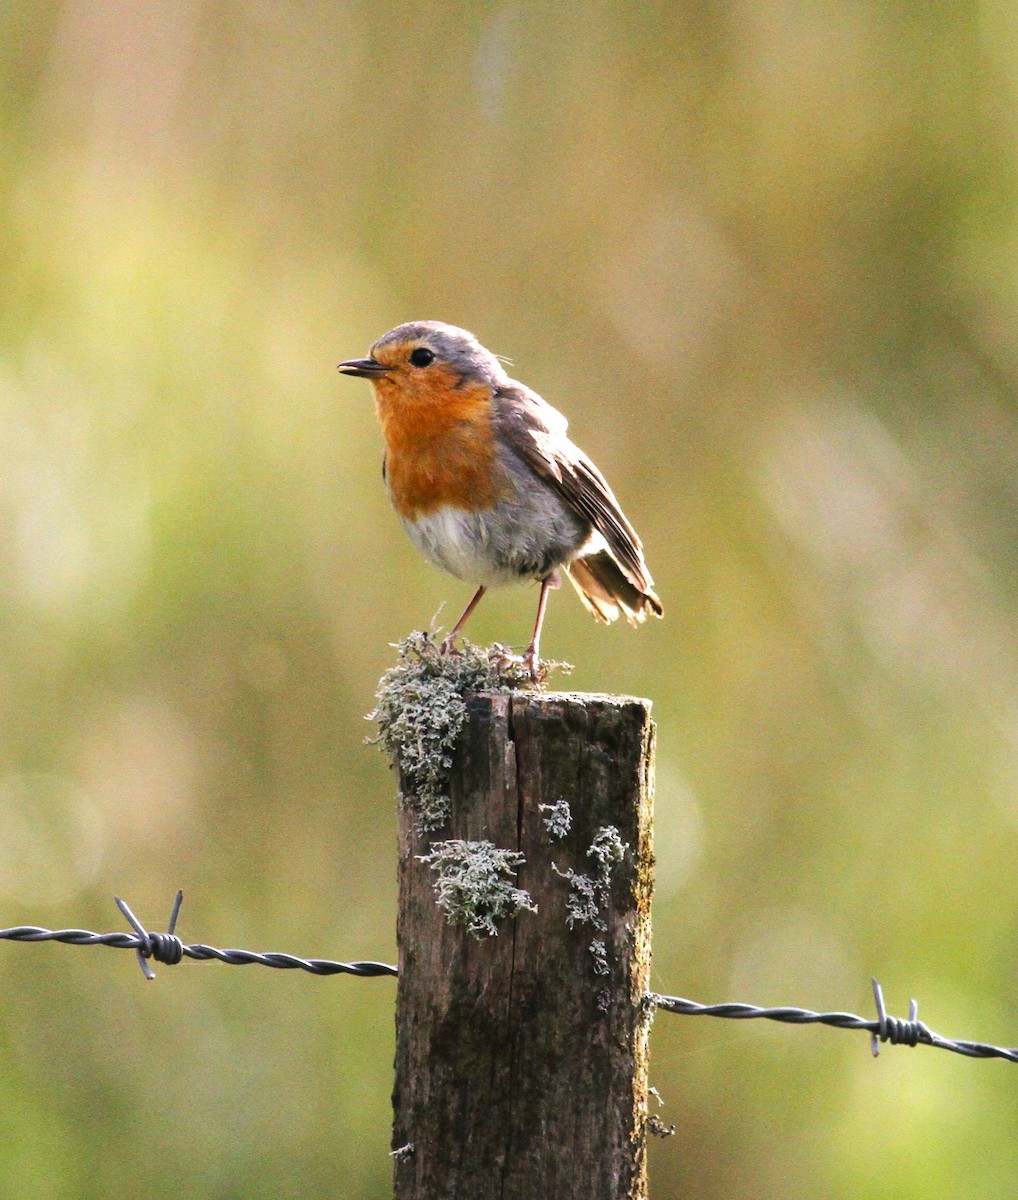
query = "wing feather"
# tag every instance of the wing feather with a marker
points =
(537, 432)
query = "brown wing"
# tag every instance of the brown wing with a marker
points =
(537, 432)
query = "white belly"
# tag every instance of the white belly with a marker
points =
(457, 541)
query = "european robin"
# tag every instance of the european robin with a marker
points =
(487, 484)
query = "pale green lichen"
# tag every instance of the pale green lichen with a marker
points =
(582, 905)
(606, 850)
(599, 953)
(421, 709)
(473, 887)
(559, 820)
(590, 895)
(655, 1125)
(658, 1128)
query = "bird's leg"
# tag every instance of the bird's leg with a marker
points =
(530, 656)
(449, 642)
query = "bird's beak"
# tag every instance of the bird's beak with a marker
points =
(367, 368)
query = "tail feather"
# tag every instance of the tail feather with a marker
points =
(605, 589)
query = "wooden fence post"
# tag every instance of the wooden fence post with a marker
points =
(521, 1057)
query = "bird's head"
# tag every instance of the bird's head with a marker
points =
(421, 362)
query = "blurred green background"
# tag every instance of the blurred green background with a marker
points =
(763, 254)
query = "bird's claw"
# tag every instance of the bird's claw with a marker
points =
(503, 658)
(538, 673)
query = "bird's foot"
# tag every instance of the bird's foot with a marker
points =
(538, 673)
(448, 645)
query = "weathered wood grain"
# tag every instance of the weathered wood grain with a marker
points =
(521, 1059)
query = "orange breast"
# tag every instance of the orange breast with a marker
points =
(440, 448)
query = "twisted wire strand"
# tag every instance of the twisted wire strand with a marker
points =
(168, 949)
(199, 952)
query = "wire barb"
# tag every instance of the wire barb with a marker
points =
(895, 1030)
(165, 948)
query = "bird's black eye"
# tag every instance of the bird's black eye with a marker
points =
(422, 357)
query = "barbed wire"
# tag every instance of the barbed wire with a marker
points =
(893, 1030)
(168, 949)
